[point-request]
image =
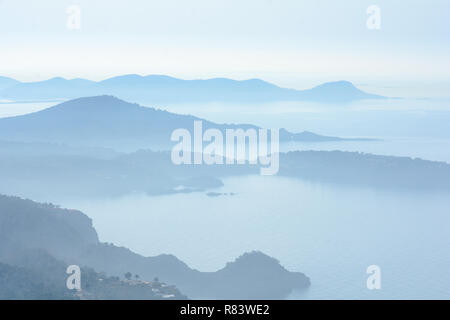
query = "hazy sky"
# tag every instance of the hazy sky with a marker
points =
(290, 42)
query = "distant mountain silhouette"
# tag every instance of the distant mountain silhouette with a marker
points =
(105, 121)
(6, 82)
(336, 91)
(160, 89)
(50, 89)
(368, 170)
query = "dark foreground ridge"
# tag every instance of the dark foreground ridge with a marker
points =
(38, 241)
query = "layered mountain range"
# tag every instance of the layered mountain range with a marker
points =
(161, 89)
